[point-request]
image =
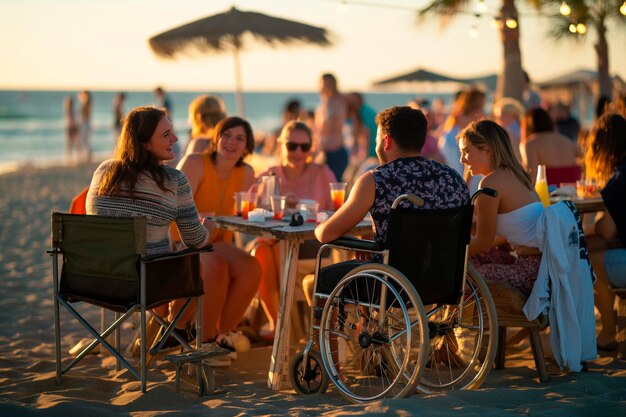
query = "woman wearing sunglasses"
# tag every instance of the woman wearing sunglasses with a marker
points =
(299, 178)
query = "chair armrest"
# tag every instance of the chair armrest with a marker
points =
(353, 243)
(174, 255)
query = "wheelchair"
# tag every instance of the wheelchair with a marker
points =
(415, 319)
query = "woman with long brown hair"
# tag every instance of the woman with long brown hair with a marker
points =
(605, 162)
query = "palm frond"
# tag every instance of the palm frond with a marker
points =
(559, 30)
(445, 9)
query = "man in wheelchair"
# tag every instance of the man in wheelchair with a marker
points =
(399, 140)
(373, 311)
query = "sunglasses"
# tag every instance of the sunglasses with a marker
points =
(291, 146)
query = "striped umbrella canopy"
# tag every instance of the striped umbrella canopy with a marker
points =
(224, 32)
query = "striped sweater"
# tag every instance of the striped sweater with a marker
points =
(158, 207)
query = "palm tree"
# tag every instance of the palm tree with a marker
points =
(511, 80)
(575, 16)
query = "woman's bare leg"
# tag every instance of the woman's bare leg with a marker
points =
(244, 274)
(268, 257)
(604, 299)
(215, 274)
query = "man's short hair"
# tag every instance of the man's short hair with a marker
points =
(405, 125)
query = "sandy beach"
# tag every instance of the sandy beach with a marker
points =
(27, 382)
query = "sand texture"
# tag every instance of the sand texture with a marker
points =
(94, 388)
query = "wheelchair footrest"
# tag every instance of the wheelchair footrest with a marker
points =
(206, 383)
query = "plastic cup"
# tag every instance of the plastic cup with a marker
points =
(239, 197)
(308, 210)
(322, 216)
(581, 189)
(338, 193)
(278, 206)
(252, 200)
(247, 204)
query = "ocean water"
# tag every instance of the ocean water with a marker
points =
(32, 126)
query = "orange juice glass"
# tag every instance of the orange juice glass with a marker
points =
(245, 208)
(338, 194)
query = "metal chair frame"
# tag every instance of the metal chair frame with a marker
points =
(140, 306)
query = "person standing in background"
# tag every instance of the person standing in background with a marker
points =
(118, 115)
(164, 102)
(85, 124)
(467, 108)
(565, 123)
(530, 96)
(71, 128)
(205, 112)
(330, 117)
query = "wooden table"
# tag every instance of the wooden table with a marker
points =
(290, 238)
(583, 205)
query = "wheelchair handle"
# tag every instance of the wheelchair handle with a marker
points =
(487, 191)
(411, 197)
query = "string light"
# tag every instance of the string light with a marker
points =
(581, 28)
(572, 28)
(622, 8)
(473, 31)
(511, 23)
(481, 6)
(565, 10)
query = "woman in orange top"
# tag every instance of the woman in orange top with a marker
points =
(231, 275)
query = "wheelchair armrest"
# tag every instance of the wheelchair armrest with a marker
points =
(353, 243)
(174, 255)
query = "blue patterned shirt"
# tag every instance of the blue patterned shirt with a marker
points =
(440, 187)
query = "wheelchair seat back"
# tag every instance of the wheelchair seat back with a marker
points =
(429, 247)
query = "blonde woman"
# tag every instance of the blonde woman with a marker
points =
(299, 178)
(511, 217)
(205, 112)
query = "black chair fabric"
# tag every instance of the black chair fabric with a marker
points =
(428, 247)
(101, 260)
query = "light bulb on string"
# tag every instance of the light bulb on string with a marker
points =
(622, 8)
(511, 23)
(481, 6)
(342, 7)
(572, 28)
(565, 10)
(581, 28)
(473, 31)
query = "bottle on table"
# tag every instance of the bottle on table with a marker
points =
(541, 186)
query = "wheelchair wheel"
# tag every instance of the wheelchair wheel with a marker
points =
(463, 340)
(376, 316)
(310, 377)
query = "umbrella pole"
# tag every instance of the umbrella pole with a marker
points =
(238, 93)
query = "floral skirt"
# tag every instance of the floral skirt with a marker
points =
(498, 265)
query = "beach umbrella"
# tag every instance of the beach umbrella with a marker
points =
(420, 75)
(424, 76)
(226, 32)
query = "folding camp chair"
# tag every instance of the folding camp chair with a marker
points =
(104, 263)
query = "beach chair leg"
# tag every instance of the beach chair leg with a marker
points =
(501, 353)
(178, 366)
(540, 361)
(207, 381)
(621, 324)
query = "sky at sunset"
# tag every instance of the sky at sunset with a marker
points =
(58, 44)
